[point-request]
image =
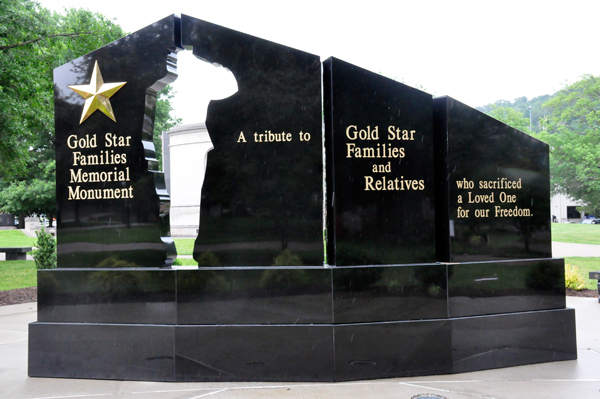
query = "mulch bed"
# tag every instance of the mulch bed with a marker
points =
(24, 295)
(20, 295)
(586, 293)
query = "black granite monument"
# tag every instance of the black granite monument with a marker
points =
(113, 207)
(493, 192)
(411, 286)
(262, 192)
(379, 169)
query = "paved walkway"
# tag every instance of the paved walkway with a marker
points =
(561, 380)
(563, 250)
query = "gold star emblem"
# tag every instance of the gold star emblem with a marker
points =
(97, 94)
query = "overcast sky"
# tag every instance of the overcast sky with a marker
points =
(475, 51)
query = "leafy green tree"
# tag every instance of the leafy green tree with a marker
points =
(573, 134)
(528, 109)
(23, 113)
(512, 118)
(163, 120)
(33, 196)
(34, 41)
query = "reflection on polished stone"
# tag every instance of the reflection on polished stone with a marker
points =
(113, 208)
(493, 193)
(506, 286)
(105, 351)
(107, 296)
(386, 350)
(281, 324)
(389, 293)
(254, 353)
(254, 296)
(262, 194)
(513, 339)
(379, 145)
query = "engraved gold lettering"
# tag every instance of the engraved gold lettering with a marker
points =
(269, 137)
(512, 212)
(84, 142)
(304, 136)
(384, 183)
(95, 193)
(395, 133)
(112, 140)
(479, 198)
(507, 198)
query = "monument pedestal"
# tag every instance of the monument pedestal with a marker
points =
(295, 323)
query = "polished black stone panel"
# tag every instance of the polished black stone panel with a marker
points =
(300, 352)
(254, 296)
(515, 339)
(492, 188)
(388, 350)
(262, 194)
(104, 351)
(389, 293)
(107, 296)
(254, 353)
(113, 208)
(481, 288)
(380, 174)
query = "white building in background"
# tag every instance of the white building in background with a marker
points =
(564, 209)
(184, 159)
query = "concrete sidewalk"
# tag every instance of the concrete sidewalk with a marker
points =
(571, 379)
(563, 250)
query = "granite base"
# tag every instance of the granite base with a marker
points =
(299, 324)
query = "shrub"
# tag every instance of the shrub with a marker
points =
(287, 258)
(45, 254)
(283, 279)
(544, 276)
(208, 259)
(573, 279)
(114, 262)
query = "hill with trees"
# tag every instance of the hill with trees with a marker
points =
(569, 122)
(521, 106)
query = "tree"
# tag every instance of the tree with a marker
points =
(33, 196)
(528, 109)
(21, 81)
(573, 134)
(163, 120)
(512, 118)
(33, 41)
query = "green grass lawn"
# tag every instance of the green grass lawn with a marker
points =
(21, 274)
(15, 238)
(17, 274)
(185, 246)
(187, 262)
(576, 233)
